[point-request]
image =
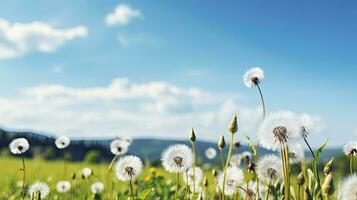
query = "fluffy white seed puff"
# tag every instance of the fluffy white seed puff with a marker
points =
(119, 147)
(128, 168)
(63, 186)
(234, 179)
(19, 146)
(252, 187)
(296, 153)
(62, 142)
(235, 160)
(188, 178)
(253, 76)
(285, 119)
(270, 167)
(348, 189)
(97, 187)
(86, 172)
(210, 153)
(39, 189)
(350, 149)
(177, 158)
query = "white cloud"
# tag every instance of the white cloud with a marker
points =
(122, 15)
(18, 39)
(152, 109)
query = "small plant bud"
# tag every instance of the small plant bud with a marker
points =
(221, 142)
(327, 187)
(233, 127)
(300, 179)
(214, 172)
(192, 135)
(251, 166)
(329, 167)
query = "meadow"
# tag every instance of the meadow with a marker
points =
(284, 174)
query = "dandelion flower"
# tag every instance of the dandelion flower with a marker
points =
(234, 180)
(253, 76)
(119, 147)
(296, 153)
(189, 178)
(350, 149)
(246, 156)
(128, 168)
(86, 172)
(279, 127)
(63, 186)
(269, 168)
(177, 158)
(348, 189)
(97, 187)
(19, 146)
(39, 189)
(210, 153)
(62, 142)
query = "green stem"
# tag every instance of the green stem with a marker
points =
(286, 169)
(23, 177)
(186, 186)
(177, 184)
(194, 169)
(262, 99)
(108, 178)
(131, 189)
(222, 158)
(247, 189)
(351, 164)
(226, 166)
(268, 190)
(298, 193)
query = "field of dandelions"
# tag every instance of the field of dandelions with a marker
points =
(283, 175)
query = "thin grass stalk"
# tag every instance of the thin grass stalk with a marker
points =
(262, 99)
(268, 190)
(186, 186)
(222, 158)
(247, 187)
(108, 178)
(298, 193)
(308, 145)
(131, 189)
(194, 169)
(177, 185)
(351, 164)
(286, 170)
(226, 166)
(23, 177)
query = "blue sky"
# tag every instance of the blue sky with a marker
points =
(179, 64)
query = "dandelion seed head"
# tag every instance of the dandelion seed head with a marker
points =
(210, 153)
(189, 178)
(63, 186)
(86, 172)
(128, 168)
(245, 157)
(97, 187)
(253, 76)
(119, 147)
(234, 179)
(177, 158)
(279, 127)
(269, 167)
(39, 188)
(19, 146)
(348, 189)
(62, 142)
(235, 160)
(350, 149)
(296, 153)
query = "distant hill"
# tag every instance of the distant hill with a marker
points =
(149, 149)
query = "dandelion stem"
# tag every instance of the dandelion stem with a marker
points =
(109, 182)
(194, 169)
(308, 145)
(248, 179)
(286, 169)
(226, 166)
(23, 176)
(222, 158)
(186, 186)
(177, 184)
(351, 164)
(268, 190)
(262, 99)
(131, 189)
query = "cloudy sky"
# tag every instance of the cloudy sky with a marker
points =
(100, 69)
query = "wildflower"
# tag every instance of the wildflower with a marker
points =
(128, 168)
(348, 189)
(86, 172)
(119, 147)
(19, 146)
(62, 142)
(39, 190)
(269, 168)
(97, 187)
(253, 77)
(210, 153)
(63, 186)
(278, 128)
(233, 181)
(177, 158)
(350, 149)
(190, 179)
(296, 153)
